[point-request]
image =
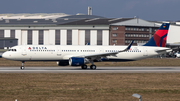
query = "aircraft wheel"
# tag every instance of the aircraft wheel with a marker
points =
(22, 67)
(84, 66)
(93, 67)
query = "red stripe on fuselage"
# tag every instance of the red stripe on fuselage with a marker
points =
(157, 37)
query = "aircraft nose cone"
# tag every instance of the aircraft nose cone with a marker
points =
(4, 55)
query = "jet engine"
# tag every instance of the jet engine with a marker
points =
(63, 63)
(78, 61)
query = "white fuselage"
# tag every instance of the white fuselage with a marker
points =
(58, 52)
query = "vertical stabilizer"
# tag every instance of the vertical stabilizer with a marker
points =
(160, 36)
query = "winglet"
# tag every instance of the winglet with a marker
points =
(129, 46)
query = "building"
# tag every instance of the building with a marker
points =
(122, 33)
(7, 42)
(65, 29)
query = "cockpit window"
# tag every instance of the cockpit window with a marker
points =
(12, 50)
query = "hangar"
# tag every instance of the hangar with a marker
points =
(54, 31)
(63, 29)
(7, 42)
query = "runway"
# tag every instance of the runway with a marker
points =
(98, 70)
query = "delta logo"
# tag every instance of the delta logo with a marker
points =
(38, 48)
(135, 49)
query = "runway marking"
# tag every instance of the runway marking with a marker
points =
(99, 70)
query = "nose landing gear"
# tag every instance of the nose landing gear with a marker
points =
(22, 67)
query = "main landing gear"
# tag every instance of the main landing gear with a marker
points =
(22, 67)
(84, 66)
(93, 67)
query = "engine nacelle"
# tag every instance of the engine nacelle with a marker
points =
(63, 63)
(77, 61)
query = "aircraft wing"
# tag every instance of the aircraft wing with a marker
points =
(106, 54)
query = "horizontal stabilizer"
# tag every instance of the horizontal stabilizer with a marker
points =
(163, 50)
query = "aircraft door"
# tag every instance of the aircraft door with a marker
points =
(101, 50)
(145, 52)
(24, 51)
(58, 51)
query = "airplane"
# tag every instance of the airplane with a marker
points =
(82, 55)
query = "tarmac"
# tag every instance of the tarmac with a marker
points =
(98, 70)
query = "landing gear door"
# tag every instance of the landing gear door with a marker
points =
(58, 51)
(145, 52)
(24, 51)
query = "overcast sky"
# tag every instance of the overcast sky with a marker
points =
(154, 10)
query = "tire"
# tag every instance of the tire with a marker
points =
(84, 67)
(22, 67)
(93, 67)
